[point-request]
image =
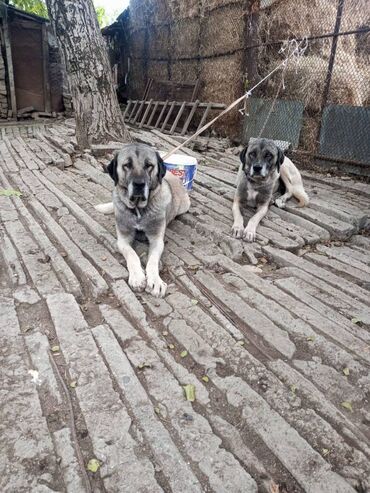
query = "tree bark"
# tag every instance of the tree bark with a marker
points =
(98, 115)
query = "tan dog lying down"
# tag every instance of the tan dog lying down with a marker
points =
(145, 199)
(263, 173)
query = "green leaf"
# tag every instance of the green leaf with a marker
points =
(55, 349)
(325, 451)
(347, 405)
(73, 384)
(293, 389)
(144, 365)
(171, 346)
(93, 465)
(356, 320)
(189, 392)
(194, 302)
(205, 379)
(310, 338)
(10, 193)
(240, 343)
(346, 371)
(183, 354)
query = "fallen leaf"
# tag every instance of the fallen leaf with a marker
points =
(165, 333)
(73, 384)
(293, 389)
(183, 354)
(205, 379)
(356, 320)
(171, 346)
(311, 338)
(10, 193)
(144, 365)
(240, 343)
(157, 410)
(274, 488)
(194, 302)
(55, 349)
(347, 405)
(346, 371)
(104, 259)
(93, 465)
(189, 392)
(325, 451)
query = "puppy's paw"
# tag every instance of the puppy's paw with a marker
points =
(137, 281)
(280, 202)
(238, 230)
(249, 235)
(156, 287)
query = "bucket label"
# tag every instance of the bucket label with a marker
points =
(186, 173)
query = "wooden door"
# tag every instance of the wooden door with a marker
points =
(26, 39)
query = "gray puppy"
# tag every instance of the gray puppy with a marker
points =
(263, 173)
(145, 200)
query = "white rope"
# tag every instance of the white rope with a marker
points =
(293, 48)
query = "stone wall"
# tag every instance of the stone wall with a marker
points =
(3, 90)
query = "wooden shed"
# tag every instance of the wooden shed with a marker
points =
(31, 75)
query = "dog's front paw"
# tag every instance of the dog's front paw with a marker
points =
(156, 287)
(238, 230)
(249, 234)
(137, 281)
(280, 202)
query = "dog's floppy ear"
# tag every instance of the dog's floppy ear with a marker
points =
(280, 158)
(112, 169)
(161, 168)
(243, 154)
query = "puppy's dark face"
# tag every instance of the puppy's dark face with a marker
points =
(261, 159)
(136, 170)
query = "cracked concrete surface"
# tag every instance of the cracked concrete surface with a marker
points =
(273, 335)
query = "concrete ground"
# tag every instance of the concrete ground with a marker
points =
(274, 336)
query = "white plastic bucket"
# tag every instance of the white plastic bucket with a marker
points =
(183, 166)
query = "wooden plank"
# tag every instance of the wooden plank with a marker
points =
(205, 114)
(146, 112)
(168, 115)
(147, 86)
(9, 61)
(161, 115)
(129, 103)
(133, 111)
(195, 90)
(138, 112)
(190, 117)
(152, 114)
(46, 68)
(178, 116)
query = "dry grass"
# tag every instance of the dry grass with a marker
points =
(185, 37)
(305, 80)
(223, 30)
(308, 135)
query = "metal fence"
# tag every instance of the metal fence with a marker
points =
(321, 101)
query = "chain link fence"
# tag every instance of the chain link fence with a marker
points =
(321, 105)
(321, 101)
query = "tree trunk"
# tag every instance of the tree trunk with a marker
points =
(98, 115)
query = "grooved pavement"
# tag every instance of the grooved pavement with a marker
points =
(274, 335)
